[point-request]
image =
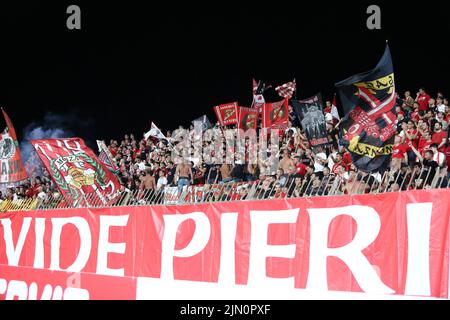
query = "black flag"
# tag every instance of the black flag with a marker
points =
(369, 126)
(310, 114)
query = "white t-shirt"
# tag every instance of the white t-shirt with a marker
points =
(142, 166)
(318, 167)
(42, 195)
(439, 157)
(330, 160)
(441, 108)
(162, 181)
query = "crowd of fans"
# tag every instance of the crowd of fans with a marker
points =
(421, 152)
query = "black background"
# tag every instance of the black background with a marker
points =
(132, 64)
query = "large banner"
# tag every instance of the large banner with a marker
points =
(379, 245)
(370, 122)
(227, 114)
(11, 164)
(77, 171)
(310, 114)
(275, 115)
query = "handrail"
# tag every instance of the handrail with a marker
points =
(357, 182)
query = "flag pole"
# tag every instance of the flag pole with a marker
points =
(295, 89)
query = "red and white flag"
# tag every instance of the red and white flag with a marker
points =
(334, 111)
(80, 176)
(155, 132)
(258, 90)
(11, 164)
(287, 90)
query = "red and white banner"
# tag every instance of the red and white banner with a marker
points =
(393, 244)
(248, 118)
(275, 115)
(77, 171)
(11, 164)
(227, 114)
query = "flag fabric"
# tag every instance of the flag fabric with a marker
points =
(204, 122)
(369, 126)
(258, 98)
(227, 113)
(154, 132)
(76, 170)
(287, 90)
(248, 118)
(312, 119)
(275, 115)
(12, 168)
(106, 157)
(334, 111)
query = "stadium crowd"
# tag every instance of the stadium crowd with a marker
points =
(421, 152)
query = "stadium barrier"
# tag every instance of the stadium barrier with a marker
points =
(357, 182)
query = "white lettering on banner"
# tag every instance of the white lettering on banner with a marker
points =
(20, 290)
(105, 247)
(47, 294)
(197, 244)
(76, 148)
(39, 229)
(3, 286)
(37, 146)
(85, 243)
(228, 228)
(13, 254)
(418, 270)
(17, 289)
(260, 250)
(368, 226)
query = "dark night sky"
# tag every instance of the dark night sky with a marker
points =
(130, 65)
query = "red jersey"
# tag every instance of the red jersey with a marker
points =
(301, 169)
(424, 145)
(423, 100)
(414, 141)
(438, 137)
(347, 159)
(415, 116)
(398, 151)
(447, 156)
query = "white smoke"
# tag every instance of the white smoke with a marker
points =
(52, 126)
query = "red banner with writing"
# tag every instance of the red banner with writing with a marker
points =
(227, 114)
(393, 244)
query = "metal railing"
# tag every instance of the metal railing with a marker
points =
(285, 187)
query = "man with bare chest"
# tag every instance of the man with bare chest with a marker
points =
(286, 162)
(148, 180)
(183, 175)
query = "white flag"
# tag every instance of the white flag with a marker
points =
(154, 132)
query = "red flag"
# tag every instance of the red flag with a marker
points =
(227, 114)
(275, 115)
(248, 118)
(12, 168)
(77, 171)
